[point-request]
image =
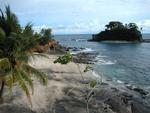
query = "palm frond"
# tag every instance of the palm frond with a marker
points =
(28, 31)
(27, 78)
(20, 56)
(2, 34)
(2, 14)
(39, 55)
(2, 19)
(22, 84)
(5, 67)
(40, 75)
(9, 82)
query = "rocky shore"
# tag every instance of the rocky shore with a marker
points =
(79, 56)
(65, 93)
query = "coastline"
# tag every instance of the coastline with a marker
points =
(65, 93)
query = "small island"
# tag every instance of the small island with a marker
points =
(116, 31)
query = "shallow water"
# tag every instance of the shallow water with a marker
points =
(127, 62)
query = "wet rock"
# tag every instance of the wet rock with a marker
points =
(74, 49)
(103, 83)
(114, 89)
(127, 95)
(86, 58)
(141, 91)
(137, 89)
(129, 86)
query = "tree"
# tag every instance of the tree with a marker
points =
(132, 26)
(46, 32)
(15, 49)
(114, 25)
(9, 22)
(45, 36)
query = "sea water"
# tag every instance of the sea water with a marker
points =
(120, 61)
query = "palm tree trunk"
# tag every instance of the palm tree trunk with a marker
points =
(1, 91)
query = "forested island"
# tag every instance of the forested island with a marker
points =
(116, 31)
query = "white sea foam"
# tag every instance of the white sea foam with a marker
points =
(95, 74)
(105, 62)
(120, 82)
(86, 50)
(79, 40)
(100, 56)
(118, 42)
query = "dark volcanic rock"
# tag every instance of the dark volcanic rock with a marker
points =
(86, 58)
(74, 49)
(137, 89)
(141, 91)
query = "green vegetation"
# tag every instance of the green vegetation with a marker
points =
(117, 31)
(16, 44)
(64, 59)
(45, 36)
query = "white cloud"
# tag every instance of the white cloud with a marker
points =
(38, 28)
(145, 24)
(75, 28)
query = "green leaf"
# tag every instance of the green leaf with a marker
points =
(22, 85)
(21, 56)
(88, 68)
(36, 73)
(93, 83)
(9, 81)
(65, 59)
(27, 78)
(5, 67)
(2, 33)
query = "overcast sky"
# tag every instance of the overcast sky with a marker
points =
(80, 16)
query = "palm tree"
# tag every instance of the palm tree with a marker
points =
(15, 48)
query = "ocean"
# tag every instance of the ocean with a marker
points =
(118, 61)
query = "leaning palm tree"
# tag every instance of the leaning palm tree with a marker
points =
(15, 48)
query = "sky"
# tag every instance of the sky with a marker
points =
(79, 16)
